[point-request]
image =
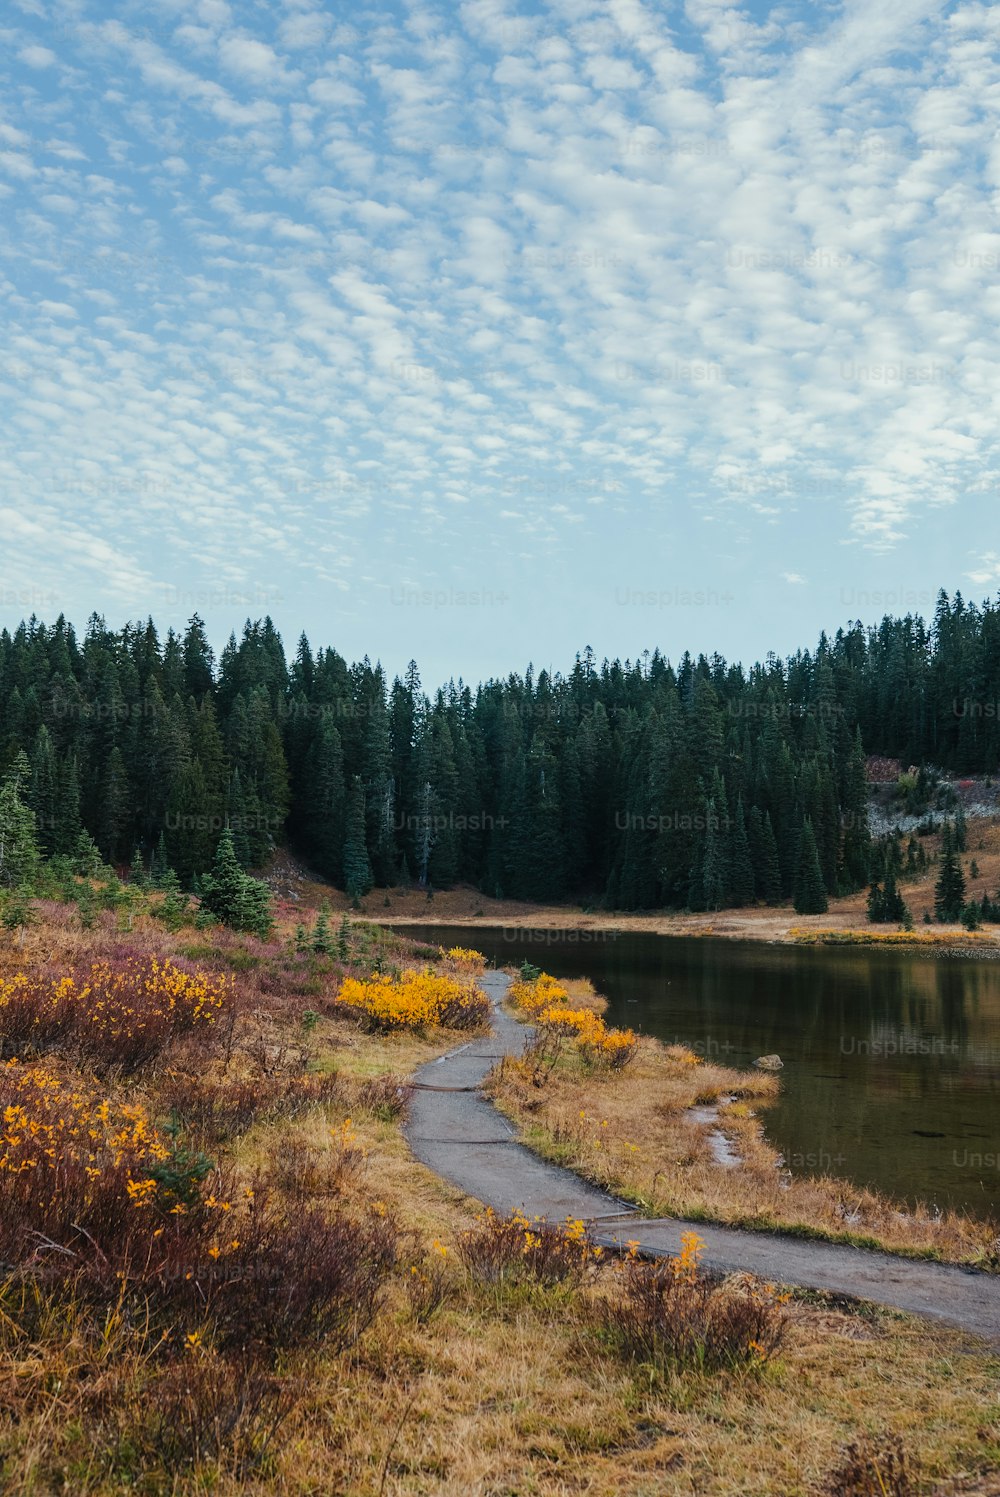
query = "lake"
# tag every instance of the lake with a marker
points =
(892, 1058)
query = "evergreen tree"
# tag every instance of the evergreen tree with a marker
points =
(19, 855)
(232, 896)
(741, 875)
(764, 856)
(810, 893)
(357, 868)
(949, 891)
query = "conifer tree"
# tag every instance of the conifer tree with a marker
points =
(19, 855)
(357, 868)
(949, 891)
(741, 877)
(809, 894)
(232, 896)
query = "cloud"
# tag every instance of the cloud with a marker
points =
(597, 261)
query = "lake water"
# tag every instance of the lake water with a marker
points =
(892, 1058)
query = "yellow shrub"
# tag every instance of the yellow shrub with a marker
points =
(465, 956)
(415, 1000)
(544, 1002)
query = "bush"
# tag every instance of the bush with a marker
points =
(415, 999)
(116, 1015)
(511, 1249)
(225, 1108)
(384, 1097)
(871, 1470)
(546, 1002)
(207, 1409)
(464, 956)
(670, 1314)
(100, 1207)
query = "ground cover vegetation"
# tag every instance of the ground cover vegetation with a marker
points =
(634, 1134)
(222, 1269)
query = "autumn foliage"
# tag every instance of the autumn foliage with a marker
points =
(546, 1003)
(415, 1000)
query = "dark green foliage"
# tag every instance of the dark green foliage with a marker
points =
(232, 896)
(357, 869)
(18, 844)
(648, 783)
(16, 910)
(949, 891)
(887, 906)
(321, 940)
(810, 894)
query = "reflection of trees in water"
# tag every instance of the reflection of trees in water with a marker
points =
(812, 1006)
(957, 992)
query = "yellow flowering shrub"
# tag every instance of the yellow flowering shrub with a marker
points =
(48, 1122)
(670, 1313)
(543, 992)
(121, 1014)
(544, 1001)
(464, 956)
(499, 1249)
(415, 1000)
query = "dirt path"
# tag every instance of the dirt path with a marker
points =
(460, 1135)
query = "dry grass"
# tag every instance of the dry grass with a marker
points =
(450, 1389)
(632, 1134)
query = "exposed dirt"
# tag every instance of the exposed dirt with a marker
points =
(294, 885)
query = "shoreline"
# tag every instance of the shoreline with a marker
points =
(767, 927)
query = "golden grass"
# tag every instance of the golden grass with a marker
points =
(494, 1395)
(632, 1134)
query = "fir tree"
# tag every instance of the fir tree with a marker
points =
(18, 846)
(357, 869)
(949, 891)
(232, 896)
(809, 893)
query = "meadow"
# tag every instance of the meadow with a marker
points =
(223, 1271)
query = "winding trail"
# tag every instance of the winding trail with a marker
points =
(459, 1134)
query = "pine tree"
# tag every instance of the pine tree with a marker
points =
(949, 891)
(809, 893)
(19, 855)
(232, 896)
(321, 930)
(764, 856)
(357, 869)
(741, 878)
(713, 883)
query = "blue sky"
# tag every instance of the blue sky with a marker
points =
(480, 333)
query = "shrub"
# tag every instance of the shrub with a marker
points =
(512, 1249)
(670, 1314)
(871, 1469)
(120, 1015)
(205, 1408)
(384, 1097)
(282, 1280)
(414, 1000)
(427, 1283)
(98, 1206)
(545, 1001)
(226, 1107)
(464, 956)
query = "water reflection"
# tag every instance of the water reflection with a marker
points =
(892, 1058)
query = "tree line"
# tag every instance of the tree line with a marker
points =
(639, 784)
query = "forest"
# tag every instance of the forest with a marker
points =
(634, 784)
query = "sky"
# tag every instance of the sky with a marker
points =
(479, 333)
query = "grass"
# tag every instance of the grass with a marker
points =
(456, 1378)
(632, 1133)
